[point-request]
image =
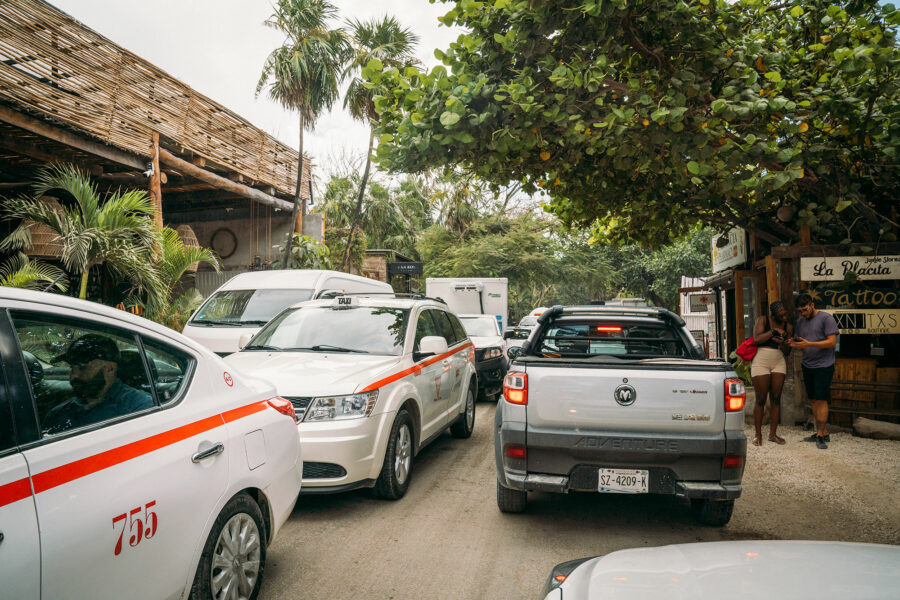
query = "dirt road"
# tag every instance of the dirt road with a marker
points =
(446, 538)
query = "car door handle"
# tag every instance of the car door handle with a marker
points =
(212, 451)
(446, 362)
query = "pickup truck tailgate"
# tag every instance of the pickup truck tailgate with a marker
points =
(654, 397)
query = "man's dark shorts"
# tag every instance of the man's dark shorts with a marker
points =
(818, 382)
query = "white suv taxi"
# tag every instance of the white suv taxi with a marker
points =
(133, 462)
(372, 380)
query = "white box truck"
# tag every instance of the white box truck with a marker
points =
(472, 295)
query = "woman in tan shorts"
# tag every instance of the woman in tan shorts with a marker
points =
(769, 367)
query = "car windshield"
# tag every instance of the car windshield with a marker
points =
(580, 339)
(360, 329)
(479, 326)
(528, 322)
(247, 307)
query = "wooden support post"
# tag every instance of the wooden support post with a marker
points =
(155, 184)
(771, 281)
(805, 240)
(739, 329)
(787, 284)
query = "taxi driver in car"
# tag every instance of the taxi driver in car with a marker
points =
(99, 394)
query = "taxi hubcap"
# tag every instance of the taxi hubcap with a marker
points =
(470, 410)
(403, 454)
(235, 566)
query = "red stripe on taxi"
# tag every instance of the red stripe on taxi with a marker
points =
(244, 411)
(17, 490)
(110, 458)
(416, 367)
(14, 491)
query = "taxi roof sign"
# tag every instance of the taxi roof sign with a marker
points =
(345, 301)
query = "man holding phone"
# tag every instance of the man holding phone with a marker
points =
(816, 335)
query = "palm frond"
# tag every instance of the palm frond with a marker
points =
(304, 73)
(77, 183)
(20, 272)
(18, 239)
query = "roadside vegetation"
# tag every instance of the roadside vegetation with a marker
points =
(584, 150)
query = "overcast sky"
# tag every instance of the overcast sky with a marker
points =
(218, 48)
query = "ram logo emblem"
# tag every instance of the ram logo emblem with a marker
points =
(625, 395)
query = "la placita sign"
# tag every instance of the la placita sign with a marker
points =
(835, 268)
(873, 321)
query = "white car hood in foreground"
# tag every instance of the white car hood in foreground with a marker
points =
(751, 570)
(314, 373)
(487, 342)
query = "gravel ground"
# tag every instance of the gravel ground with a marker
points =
(446, 539)
(849, 491)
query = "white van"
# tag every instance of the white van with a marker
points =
(248, 301)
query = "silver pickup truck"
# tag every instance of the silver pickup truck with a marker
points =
(619, 400)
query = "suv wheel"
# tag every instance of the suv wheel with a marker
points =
(712, 512)
(466, 423)
(511, 501)
(393, 481)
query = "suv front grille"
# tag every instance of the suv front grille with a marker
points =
(300, 405)
(320, 470)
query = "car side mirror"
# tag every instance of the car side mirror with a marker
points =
(431, 345)
(244, 340)
(514, 352)
(508, 335)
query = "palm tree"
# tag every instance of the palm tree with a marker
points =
(117, 232)
(304, 73)
(387, 42)
(172, 260)
(19, 272)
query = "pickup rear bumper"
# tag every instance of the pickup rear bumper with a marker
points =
(536, 482)
(690, 465)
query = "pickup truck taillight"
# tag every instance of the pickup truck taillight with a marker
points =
(734, 395)
(515, 388)
(283, 406)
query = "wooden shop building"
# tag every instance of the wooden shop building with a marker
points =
(68, 94)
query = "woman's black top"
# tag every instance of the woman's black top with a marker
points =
(773, 341)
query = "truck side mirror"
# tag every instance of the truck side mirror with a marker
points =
(514, 352)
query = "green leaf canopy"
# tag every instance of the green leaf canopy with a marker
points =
(644, 118)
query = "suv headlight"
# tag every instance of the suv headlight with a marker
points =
(492, 353)
(337, 408)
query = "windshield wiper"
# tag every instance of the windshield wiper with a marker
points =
(213, 322)
(252, 322)
(262, 347)
(328, 348)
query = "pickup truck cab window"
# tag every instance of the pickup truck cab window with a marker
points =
(582, 339)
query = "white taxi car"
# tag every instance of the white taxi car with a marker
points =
(133, 462)
(372, 380)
